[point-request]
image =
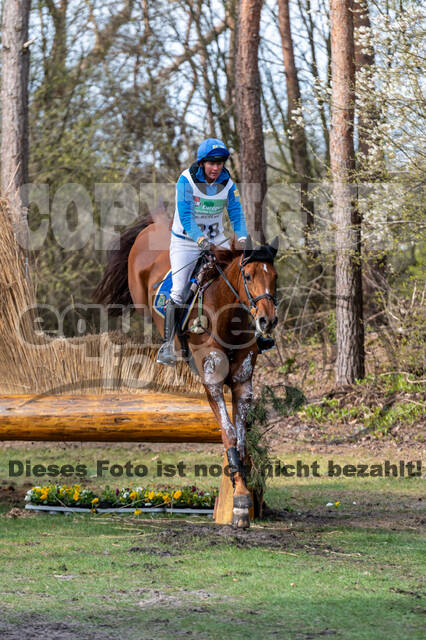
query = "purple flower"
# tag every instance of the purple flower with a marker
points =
(117, 492)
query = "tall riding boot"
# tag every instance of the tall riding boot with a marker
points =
(166, 353)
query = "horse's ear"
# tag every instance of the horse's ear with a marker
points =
(274, 245)
(248, 249)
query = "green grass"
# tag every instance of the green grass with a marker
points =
(372, 418)
(354, 571)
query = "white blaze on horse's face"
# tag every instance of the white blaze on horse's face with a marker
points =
(261, 278)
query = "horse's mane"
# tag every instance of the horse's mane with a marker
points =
(224, 257)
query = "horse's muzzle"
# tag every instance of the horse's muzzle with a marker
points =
(265, 324)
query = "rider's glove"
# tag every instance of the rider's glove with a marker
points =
(203, 243)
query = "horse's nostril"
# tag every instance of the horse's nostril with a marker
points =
(263, 322)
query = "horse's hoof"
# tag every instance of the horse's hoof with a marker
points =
(240, 518)
(240, 511)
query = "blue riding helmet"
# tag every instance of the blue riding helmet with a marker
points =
(212, 148)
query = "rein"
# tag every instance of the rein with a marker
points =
(252, 309)
(234, 291)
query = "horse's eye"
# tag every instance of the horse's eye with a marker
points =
(248, 277)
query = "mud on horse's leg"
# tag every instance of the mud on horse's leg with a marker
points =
(242, 497)
(213, 382)
(242, 396)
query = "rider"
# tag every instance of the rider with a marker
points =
(202, 193)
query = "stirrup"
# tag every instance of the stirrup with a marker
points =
(166, 354)
(265, 343)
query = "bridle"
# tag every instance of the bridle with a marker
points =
(252, 308)
(253, 301)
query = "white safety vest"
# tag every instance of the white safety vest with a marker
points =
(208, 211)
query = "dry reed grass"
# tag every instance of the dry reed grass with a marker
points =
(31, 362)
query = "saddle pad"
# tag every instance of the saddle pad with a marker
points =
(162, 295)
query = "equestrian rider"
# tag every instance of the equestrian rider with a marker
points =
(202, 193)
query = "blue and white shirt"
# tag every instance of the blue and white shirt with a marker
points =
(200, 206)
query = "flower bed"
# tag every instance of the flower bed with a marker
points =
(66, 497)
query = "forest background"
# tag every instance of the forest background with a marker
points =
(121, 94)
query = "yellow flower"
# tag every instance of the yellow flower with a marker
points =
(137, 512)
(76, 496)
(95, 500)
(133, 495)
(151, 495)
(166, 497)
(336, 504)
(177, 494)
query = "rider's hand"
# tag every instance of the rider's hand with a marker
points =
(240, 243)
(203, 243)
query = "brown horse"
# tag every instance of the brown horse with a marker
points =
(239, 298)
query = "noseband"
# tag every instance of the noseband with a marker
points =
(253, 301)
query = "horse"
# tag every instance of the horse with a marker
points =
(239, 297)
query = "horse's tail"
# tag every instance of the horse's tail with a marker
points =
(113, 289)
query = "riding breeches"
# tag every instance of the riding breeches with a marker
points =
(183, 257)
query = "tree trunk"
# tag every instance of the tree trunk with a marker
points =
(364, 62)
(249, 116)
(298, 144)
(300, 159)
(227, 119)
(349, 321)
(14, 104)
(55, 81)
(369, 168)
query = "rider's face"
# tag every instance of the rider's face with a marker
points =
(212, 169)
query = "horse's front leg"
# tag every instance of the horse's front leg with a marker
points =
(233, 436)
(242, 398)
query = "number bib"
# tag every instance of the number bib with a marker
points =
(208, 211)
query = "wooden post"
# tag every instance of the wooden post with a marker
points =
(224, 502)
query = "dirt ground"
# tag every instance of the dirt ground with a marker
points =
(287, 532)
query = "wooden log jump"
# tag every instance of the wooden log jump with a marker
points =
(145, 417)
